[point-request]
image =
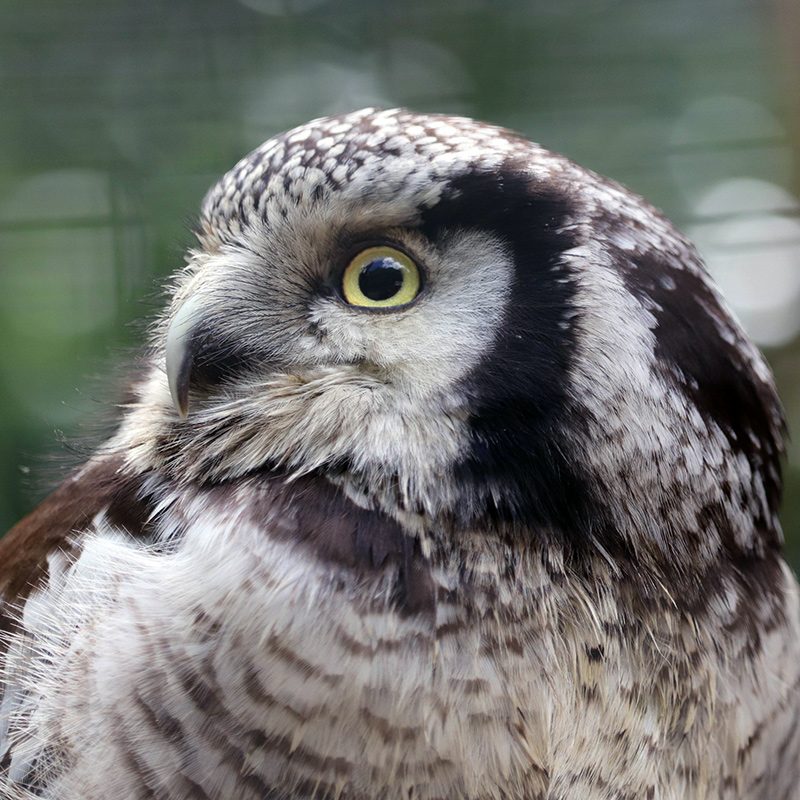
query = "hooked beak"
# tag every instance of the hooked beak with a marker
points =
(179, 354)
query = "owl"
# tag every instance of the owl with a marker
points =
(447, 474)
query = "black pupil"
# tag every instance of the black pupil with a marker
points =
(380, 279)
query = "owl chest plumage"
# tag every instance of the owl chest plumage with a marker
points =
(227, 671)
(237, 661)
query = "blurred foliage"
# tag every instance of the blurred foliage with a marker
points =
(117, 116)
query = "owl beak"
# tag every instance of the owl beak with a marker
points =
(180, 356)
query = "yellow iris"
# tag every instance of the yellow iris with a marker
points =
(381, 277)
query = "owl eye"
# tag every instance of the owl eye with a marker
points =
(381, 277)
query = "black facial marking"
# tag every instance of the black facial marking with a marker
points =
(318, 516)
(518, 466)
(711, 370)
(214, 358)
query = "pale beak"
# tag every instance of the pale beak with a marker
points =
(179, 355)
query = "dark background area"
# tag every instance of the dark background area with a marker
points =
(115, 117)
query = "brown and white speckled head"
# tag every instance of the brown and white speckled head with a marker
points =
(568, 366)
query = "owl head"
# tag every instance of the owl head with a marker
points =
(467, 331)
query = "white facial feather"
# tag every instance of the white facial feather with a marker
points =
(379, 389)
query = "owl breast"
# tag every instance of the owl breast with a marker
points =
(226, 671)
(259, 647)
(236, 656)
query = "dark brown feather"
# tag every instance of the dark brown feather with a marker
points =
(99, 485)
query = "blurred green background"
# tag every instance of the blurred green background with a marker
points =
(116, 116)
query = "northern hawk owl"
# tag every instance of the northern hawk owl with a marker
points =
(448, 474)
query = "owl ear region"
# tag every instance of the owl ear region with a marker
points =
(180, 356)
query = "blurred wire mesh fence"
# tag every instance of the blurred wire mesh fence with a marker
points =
(117, 115)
